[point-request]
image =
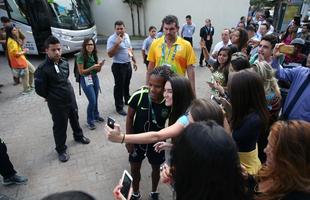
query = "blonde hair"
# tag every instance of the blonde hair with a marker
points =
(265, 71)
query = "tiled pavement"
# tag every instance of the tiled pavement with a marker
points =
(26, 127)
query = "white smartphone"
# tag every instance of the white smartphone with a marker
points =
(126, 181)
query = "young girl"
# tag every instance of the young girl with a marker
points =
(21, 67)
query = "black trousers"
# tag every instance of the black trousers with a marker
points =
(208, 46)
(6, 167)
(190, 39)
(122, 74)
(60, 115)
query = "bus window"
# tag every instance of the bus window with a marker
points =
(71, 14)
(16, 12)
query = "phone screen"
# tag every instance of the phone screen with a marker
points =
(111, 122)
(126, 186)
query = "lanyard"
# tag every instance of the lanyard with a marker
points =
(163, 53)
(153, 116)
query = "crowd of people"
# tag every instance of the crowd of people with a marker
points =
(231, 151)
(250, 141)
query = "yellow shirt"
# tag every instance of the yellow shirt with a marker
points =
(250, 161)
(16, 61)
(178, 57)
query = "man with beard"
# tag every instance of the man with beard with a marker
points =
(172, 51)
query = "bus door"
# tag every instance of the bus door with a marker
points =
(39, 19)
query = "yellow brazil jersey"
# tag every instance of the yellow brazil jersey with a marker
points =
(178, 57)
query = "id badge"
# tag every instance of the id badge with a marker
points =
(56, 68)
(88, 80)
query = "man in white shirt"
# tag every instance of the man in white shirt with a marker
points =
(224, 43)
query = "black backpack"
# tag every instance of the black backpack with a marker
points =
(38, 82)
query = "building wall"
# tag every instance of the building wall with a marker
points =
(223, 14)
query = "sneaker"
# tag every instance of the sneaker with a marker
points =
(99, 119)
(154, 196)
(91, 126)
(16, 179)
(122, 112)
(63, 157)
(29, 90)
(136, 196)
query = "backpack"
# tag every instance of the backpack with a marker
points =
(76, 72)
(38, 82)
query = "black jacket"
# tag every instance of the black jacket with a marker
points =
(205, 31)
(52, 83)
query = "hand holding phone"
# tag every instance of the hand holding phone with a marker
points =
(102, 62)
(287, 49)
(126, 182)
(216, 99)
(111, 122)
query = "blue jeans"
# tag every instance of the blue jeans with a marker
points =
(91, 92)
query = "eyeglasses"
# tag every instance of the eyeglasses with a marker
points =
(89, 44)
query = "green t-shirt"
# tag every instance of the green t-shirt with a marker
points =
(90, 62)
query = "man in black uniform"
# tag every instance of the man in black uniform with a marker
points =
(51, 83)
(206, 35)
(7, 170)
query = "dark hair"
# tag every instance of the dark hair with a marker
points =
(204, 110)
(267, 25)
(170, 19)
(163, 71)
(251, 28)
(270, 38)
(51, 40)
(151, 28)
(225, 69)
(182, 96)
(239, 61)
(69, 195)
(188, 17)
(205, 164)
(286, 34)
(84, 51)
(5, 19)
(119, 23)
(243, 38)
(307, 26)
(9, 34)
(247, 95)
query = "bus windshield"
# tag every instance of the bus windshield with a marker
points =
(71, 14)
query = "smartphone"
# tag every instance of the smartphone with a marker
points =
(102, 62)
(111, 122)
(287, 49)
(216, 99)
(126, 181)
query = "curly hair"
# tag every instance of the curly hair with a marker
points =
(288, 160)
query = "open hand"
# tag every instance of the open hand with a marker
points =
(160, 146)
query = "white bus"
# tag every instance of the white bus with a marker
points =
(69, 20)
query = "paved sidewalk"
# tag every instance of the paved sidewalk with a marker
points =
(26, 127)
